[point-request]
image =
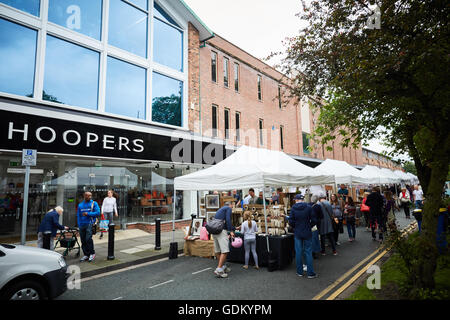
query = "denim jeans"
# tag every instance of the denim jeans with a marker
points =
(418, 204)
(304, 247)
(86, 240)
(351, 229)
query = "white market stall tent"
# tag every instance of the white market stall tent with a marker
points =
(379, 175)
(344, 173)
(250, 167)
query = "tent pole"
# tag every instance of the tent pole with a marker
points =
(265, 216)
(174, 208)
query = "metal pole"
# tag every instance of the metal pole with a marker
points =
(111, 230)
(158, 234)
(265, 217)
(173, 251)
(25, 205)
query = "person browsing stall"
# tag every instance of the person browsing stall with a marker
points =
(221, 242)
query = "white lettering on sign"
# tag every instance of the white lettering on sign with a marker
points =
(66, 133)
(106, 140)
(38, 135)
(12, 130)
(123, 142)
(139, 146)
(89, 140)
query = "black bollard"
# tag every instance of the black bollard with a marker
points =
(158, 234)
(111, 230)
(47, 237)
(173, 252)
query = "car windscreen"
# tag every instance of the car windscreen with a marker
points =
(7, 246)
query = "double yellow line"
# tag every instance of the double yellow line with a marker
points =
(364, 269)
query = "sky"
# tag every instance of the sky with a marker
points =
(256, 26)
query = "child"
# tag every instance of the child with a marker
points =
(249, 229)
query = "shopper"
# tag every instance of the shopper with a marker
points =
(418, 197)
(375, 202)
(261, 200)
(389, 215)
(343, 193)
(365, 211)
(405, 200)
(318, 215)
(302, 220)
(109, 207)
(87, 212)
(253, 197)
(221, 240)
(350, 218)
(326, 225)
(337, 206)
(249, 230)
(50, 223)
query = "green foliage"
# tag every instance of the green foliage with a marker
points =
(167, 110)
(409, 167)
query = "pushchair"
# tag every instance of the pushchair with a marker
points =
(68, 239)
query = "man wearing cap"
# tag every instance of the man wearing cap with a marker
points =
(302, 220)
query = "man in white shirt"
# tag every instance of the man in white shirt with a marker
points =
(418, 197)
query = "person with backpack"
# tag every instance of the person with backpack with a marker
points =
(221, 240)
(326, 229)
(87, 212)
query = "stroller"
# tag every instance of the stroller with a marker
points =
(69, 239)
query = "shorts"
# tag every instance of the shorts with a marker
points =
(221, 242)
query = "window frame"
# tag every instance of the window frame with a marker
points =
(215, 121)
(237, 119)
(44, 28)
(226, 72)
(226, 122)
(236, 76)
(261, 128)
(259, 87)
(214, 79)
(281, 137)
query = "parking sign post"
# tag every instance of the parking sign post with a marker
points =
(28, 159)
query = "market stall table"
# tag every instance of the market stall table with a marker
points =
(199, 248)
(282, 248)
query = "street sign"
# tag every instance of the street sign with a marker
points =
(22, 171)
(29, 157)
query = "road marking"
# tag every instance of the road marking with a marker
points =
(202, 270)
(119, 298)
(343, 277)
(126, 269)
(157, 285)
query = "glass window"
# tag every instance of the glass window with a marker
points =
(281, 138)
(162, 15)
(17, 58)
(226, 64)
(71, 74)
(259, 88)
(261, 138)
(30, 6)
(125, 89)
(236, 77)
(305, 142)
(279, 97)
(214, 121)
(140, 3)
(227, 123)
(238, 126)
(168, 45)
(167, 100)
(214, 66)
(84, 16)
(127, 28)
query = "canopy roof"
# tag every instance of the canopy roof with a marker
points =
(253, 167)
(343, 172)
(379, 175)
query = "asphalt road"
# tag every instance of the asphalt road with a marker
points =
(192, 278)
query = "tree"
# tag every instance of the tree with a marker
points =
(167, 110)
(392, 81)
(410, 167)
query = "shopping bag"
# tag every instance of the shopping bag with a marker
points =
(104, 225)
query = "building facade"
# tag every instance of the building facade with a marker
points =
(127, 95)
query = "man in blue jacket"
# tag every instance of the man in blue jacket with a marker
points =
(302, 220)
(221, 240)
(87, 212)
(50, 223)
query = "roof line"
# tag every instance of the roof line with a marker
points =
(199, 20)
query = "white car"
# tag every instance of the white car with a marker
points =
(28, 273)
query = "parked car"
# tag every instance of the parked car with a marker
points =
(28, 273)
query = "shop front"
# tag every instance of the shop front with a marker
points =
(75, 157)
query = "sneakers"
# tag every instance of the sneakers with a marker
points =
(220, 274)
(323, 253)
(313, 276)
(226, 268)
(91, 257)
(85, 258)
(245, 267)
(338, 243)
(300, 275)
(335, 253)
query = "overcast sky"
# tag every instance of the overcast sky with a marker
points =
(256, 26)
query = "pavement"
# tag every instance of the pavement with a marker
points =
(131, 246)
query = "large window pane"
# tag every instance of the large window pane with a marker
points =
(125, 89)
(127, 28)
(30, 6)
(140, 3)
(84, 16)
(167, 100)
(17, 58)
(168, 45)
(161, 14)
(71, 74)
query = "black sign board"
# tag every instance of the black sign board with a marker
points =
(23, 131)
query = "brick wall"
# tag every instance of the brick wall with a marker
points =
(165, 226)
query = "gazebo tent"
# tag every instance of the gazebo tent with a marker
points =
(343, 172)
(252, 167)
(381, 177)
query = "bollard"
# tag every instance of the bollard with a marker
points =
(47, 237)
(158, 234)
(173, 252)
(111, 230)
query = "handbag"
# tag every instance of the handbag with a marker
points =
(215, 226)
(104, 225)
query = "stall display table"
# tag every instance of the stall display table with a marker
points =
(199, 248)
(281, 246)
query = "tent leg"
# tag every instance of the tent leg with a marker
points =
(265, 217)
(173, 252)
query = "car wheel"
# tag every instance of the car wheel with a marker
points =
(26, 290)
